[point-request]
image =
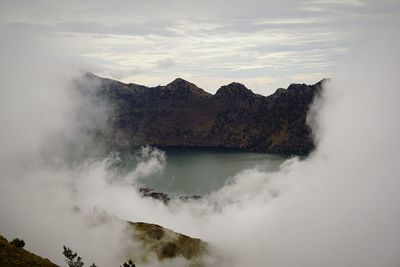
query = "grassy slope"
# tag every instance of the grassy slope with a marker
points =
(155, 240)
(167, 244)
(12, 256)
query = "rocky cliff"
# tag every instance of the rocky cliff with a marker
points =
(182, 114)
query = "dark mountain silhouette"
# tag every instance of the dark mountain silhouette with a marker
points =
(182, 114)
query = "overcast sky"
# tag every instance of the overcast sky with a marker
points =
(263, 44)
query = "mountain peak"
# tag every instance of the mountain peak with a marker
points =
(180, 84)
(234, 90)
(179, 81)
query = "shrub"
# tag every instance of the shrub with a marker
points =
(19, 243)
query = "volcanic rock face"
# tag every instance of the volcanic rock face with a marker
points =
(181, 114)
(164, 197)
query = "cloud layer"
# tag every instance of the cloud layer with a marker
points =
(264, 44)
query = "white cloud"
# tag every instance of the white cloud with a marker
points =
(207, 38)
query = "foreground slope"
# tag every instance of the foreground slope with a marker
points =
(165, 244)
(13, 256)
(155, 242)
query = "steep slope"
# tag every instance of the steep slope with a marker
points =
(14, 256)
(154, 242)
(166, 244)
(181, 114)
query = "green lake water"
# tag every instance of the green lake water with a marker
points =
(201, 171)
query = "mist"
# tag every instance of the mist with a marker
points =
(338, 207)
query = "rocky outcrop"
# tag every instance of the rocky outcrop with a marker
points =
(181, 114)
(164, 197)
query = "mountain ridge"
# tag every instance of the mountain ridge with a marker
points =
(184, 115)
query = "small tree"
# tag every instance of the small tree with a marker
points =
(129, 264)
(19, 243)
(74, 260)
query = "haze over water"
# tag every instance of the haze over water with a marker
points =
(190, 171)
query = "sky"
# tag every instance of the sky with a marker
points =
(262, 44)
